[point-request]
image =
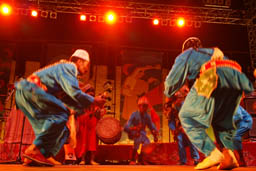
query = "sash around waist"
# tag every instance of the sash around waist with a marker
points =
(36, 80)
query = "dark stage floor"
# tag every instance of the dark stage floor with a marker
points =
(5, 167)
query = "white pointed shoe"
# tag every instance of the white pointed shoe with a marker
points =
(229, 161)
(213, 159)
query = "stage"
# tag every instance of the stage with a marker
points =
(13, 147)
(4, 167)
(166, 152)
(121, 154)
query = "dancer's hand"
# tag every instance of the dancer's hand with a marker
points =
(99, 101)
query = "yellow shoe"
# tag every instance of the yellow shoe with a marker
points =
(82, 163)
(213, 159)
(229, 161)
(94, 163)
(26, 162)
(32, 149)
(55, 162)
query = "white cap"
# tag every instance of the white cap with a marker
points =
(80, 53)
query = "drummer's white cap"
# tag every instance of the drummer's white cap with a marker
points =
(82, 54)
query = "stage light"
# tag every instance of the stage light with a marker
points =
(172, 22)
(198, 24)
(180, 22)
(83, 17)
(92, 18)
(53, 15)
(44, 14)
(24, 12)
(110, 17)
(121, 19)
(128, 19)
(101, 19)
(34, 13)
(6, 9)
(16, 11)
(189, 23)
(164, 22)
(155, 21)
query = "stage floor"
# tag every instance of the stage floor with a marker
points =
(5, 167)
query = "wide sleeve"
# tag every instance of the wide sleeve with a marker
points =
(177, 75)
(67, 79)
(150, 124)
(155, 118)
(242, 118)
(129, 123)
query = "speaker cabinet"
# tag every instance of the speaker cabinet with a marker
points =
(252, 132)
(250, 105)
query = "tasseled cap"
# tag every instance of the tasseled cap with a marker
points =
(143, 100)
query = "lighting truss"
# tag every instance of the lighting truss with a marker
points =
(144, 10)
(251, 29)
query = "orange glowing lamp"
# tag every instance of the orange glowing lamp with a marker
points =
(180, 22)
(155, 21)
(83, 17)
(34, 13)
(6, 9)
(110, 17)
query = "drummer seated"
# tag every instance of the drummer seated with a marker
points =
(135, 127)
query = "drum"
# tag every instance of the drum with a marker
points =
(108, 130)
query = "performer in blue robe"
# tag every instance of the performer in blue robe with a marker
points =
(46, 98)
(243, 122)
(218, 84)
(136, 126)
(171, 109)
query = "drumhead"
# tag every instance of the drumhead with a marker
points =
(108, 130)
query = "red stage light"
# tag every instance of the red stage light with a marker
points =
(180, 22)
(156, 21)
(34, 13)
(83, 17)
(111, 17)
(6, 9)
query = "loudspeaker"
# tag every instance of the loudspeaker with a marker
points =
(252, 132)
(250, 105)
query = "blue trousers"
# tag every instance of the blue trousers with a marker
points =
(237, 139)
(142, 139)
(46, 114)
(199, 113)
(183, 142)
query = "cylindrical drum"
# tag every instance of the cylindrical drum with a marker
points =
(108, 130)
